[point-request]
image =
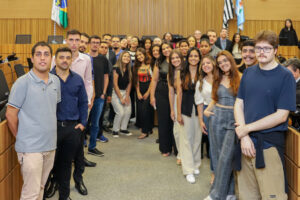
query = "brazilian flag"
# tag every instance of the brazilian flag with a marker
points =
(60, 13)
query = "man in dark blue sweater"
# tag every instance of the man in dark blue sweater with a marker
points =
(266, 95)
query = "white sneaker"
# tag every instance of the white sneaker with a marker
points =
(231, 197)
(190, 178)
(208, 198)
(196, 171)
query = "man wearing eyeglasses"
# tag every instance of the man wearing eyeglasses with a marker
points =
(248, 55)
(265, 97)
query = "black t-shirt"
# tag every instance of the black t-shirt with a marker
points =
(100, 65)
(123, 80)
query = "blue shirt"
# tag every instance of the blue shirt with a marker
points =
(74, 101)
(37, 103)
(265, 91)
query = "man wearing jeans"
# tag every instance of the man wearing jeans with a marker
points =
(100, 64)
(31, 117)
(265, 97)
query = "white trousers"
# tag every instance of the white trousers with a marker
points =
(190, 144)
(176, 128)
(123, 112)
(35, 169)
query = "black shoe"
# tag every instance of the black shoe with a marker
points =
(115, 134)
(88, 163)
(95, 152)
(81, 188)
(106, 129)
(69, 198)
(125, 132)
(50, 191)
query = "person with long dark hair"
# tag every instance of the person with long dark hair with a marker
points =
(192, 41)
(176, 64)
(142, 80)
(288, 34)
(147, 46)
(168, 37)
(236, 48)
(190, 136)
(159, 92)
(121, 94)
(222, 129)
(203, 98)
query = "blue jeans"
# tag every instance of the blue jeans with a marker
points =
(222, 140)
(206, 122)
(95, 125)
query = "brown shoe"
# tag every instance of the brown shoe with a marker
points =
(165, 154)
(143, 136)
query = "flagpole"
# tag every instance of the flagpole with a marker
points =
(54, 33)
(54, 29)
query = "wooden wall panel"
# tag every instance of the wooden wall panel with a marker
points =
(272, 9)
(136, 17)
(12, 9)
(144, 17)
(252, 27)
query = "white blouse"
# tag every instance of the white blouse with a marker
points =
(203, 96)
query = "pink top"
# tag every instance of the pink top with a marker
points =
(82, 66)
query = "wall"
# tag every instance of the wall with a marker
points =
(137, 17)
(140, 17)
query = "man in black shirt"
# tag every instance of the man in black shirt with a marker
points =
(100, 65)
(107, 116)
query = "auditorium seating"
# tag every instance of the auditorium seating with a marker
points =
(19, 70)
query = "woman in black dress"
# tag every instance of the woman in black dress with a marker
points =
(288, 35)
(160, 100)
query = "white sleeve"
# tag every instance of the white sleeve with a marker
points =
(198, 94)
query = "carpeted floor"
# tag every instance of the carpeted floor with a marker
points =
(134, 169)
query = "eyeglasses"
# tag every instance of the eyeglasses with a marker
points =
(95, 42)
(248, 50)
(265, 49)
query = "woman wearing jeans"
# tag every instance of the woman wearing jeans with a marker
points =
(121, 94)
(222, 129)
(203, 98)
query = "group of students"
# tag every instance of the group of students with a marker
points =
(196, 89)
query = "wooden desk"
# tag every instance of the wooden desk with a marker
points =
(10, 175)
(292, 161)
(288, 51)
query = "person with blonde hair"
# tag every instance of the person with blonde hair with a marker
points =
(121, 94)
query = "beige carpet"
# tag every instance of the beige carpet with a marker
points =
(134, 169)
